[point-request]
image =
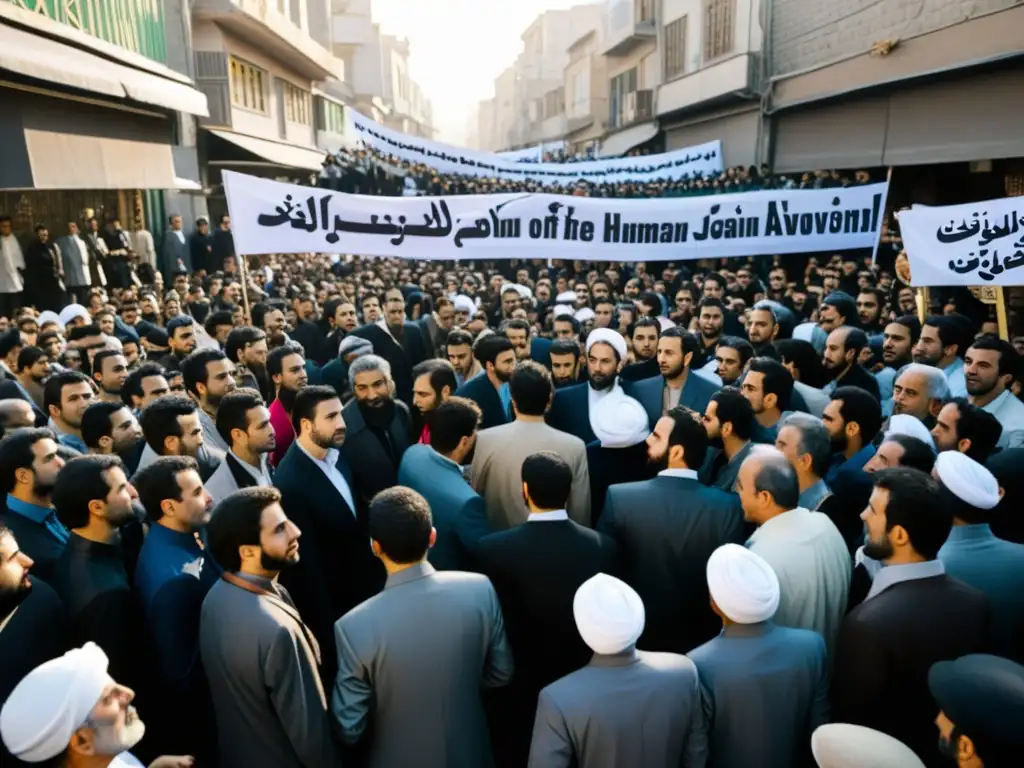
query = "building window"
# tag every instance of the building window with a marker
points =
(675, 49)
(554, 102)
(296, 105)
(248, 86)
(330, 116)
(618, 88)
(719, 20)
(581, 94)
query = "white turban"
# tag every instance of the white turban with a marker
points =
(584, 315)
(561, 310)
(464, 304)
(71, 311)
(619, 421)
(911, 426)
(524, 291)
(52, 702)
(968, 480)
(48, 316)
(841, 745)
(742, 584)
(566, 297)
(609, 614)
(608, 336)
(665, 323)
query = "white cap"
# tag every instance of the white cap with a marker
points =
(911, 426)
(609, 614)
(841, 745)
(742, 584)
(48, 316)
(608, 336)
(464, 304)
(968, 480)
(619, 421)
(560, 310)
(52, 702)
(566, 297)
(71, 311)
(584, 315)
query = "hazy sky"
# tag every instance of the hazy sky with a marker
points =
(459, 47)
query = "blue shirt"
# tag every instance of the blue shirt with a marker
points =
(505, 393)
(71, 441)
(811, 498)
(973, 554)
(841, 464)
(44, 516)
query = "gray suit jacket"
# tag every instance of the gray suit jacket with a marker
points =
(498, 463)
(412, 661)
(262, 671)
(171, 251)
(75, 275)
(631, 710)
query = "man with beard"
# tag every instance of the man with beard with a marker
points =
(181, 338)
(942, 343)
(676, 386)
(565, 327)
(460, 354)
(143, 386)
(209, 375)
(769, 387)
(497, 357)
(111, 428)
(762, 328)
(433, 383)
(338, 570)
(247, 348)
(710, 322)
(898, 340)
(919, 391)
(109, 371)
(286, 367)
(93, 499)
(914, 615)
(244, 422)
(518, 332)
(251, 633)
(870, 303)
(27, 382)
(964, 427)
(437, 324)
(729, 423)
(565, 363)
(397, 341)
(842, 350)
(666, 529)
(991, 365)
(29, 464)
(66, 395)
(644, 333)
(732, 355)
(341, 319)
(371, 306)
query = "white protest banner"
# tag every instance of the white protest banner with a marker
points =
(972, 244)
(679, 164)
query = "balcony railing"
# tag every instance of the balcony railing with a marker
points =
(629, 23)
(635, 107)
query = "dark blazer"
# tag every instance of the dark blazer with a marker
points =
(888, 643)
(12, 390)
(337, 569)
(858, 377)
(536, 569)
(313, 341)
(402, 360)
(460, 516)
(480, 390)
(613, 466)
(171, 251)
(638, 371)
(666, 529)
(335, 374)
(540, 351)
(650, 392)
(33, 539)
(373, 469)
(570, 412)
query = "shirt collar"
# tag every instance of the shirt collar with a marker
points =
(894, 574)
(330, 460)
(262, 473)
(446, 461)
(411, 573)
(33, 512)
(546, 517)
(687, 474)
(970, 532)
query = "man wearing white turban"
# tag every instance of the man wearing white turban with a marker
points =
(768, 684)
(627, 708)
(70, 708)
(972, 553)
(841, 745)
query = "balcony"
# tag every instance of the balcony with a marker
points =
(627, 24)
(579, 123)
(261, 25)
(635, 107)
(714, 84)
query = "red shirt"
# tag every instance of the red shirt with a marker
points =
(284, 433)
(425, 435)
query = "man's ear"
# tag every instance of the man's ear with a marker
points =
(770, 401)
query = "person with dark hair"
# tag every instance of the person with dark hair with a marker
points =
(644, 335)
(536, 569)
(66, 395)
(942, 343)
(838, 309)
(93, 498)
(518, 332)
(435, 471)
(383, 644)
(170, 426)
(500, 452)
(729, 423)
(804, 364)
(804, 548)
(898, 341)
(914, 615)
(436, 326)
(259, 655)
(459, 351)
(566, 328)
(841, 359)
(111, 428)
(209, 376)
(768, 386)
(990, 367)
(109, 371)
(243, 422)
(898, 449)
(26, 383)
(497, 357)
(762, 328)
(11, 345)
(666, 528)
(218, 325)
(732, 355)
(678, 384)
(286, 367)
(318, 492)
(710, 324)
(144, 385)
(246, 347)
(433, 382)
(565, 359)
(964, 427)
(29, 463)
(181, 338)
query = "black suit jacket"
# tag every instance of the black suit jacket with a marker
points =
(337, 569)
(638, 371)
(11, 390)
(858, 377)
(373, 469)
(888, 643)
(33, 539)
(666, 529)
(614, 466)
(570, 412)
(480, 390)
(402, 360)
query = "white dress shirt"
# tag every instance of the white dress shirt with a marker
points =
(329, 466)
(689, 474)
(11, 260)
(548, 517)
(1010, 413)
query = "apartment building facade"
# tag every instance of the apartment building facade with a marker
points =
(586, 93)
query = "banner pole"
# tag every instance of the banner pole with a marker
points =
(924, 300)
(885, 201)
(244, 269)
(1004, 326)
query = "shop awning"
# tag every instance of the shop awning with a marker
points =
(620, 143)
(272, 152)
(48, 60)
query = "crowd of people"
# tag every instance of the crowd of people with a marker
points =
(326, 511)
